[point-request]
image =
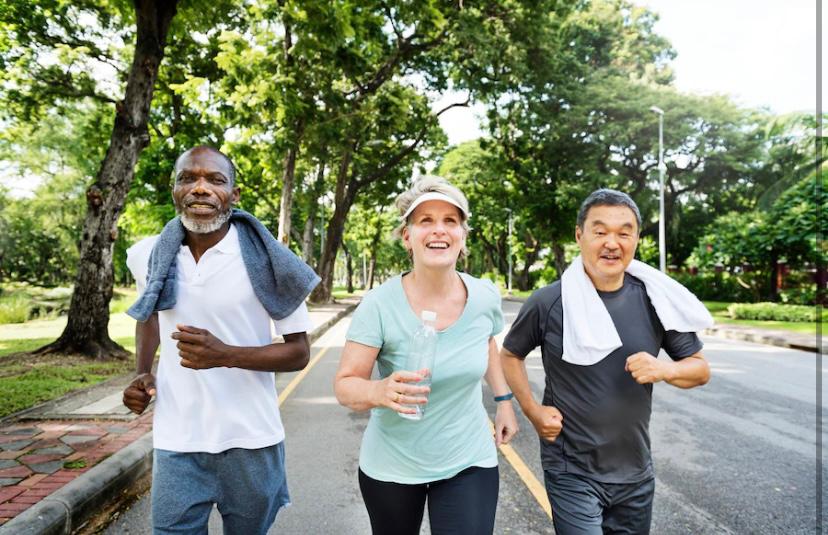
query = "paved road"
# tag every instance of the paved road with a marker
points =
(737, 456)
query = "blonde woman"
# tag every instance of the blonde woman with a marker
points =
(448, 459)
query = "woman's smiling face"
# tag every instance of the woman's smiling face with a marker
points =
(434, 234)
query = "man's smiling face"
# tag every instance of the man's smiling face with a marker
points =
(204, 192)
(608, 242)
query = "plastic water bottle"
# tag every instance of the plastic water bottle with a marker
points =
(421, 357)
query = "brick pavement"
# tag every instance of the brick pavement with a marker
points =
(51, 445)
(39, 457)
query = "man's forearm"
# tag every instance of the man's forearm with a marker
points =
(690, 372)
(147, 340)
(292, 355)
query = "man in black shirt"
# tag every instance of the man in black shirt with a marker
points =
(594, 419)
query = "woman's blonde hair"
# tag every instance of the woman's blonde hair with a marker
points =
(434, 184)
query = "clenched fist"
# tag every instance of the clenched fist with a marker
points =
(646, 368)
(139, 392)
(548, 422)
(199, 349)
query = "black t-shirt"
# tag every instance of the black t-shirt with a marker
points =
(606, 414)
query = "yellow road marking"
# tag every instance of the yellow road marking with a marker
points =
(526, 475)
(298, 379)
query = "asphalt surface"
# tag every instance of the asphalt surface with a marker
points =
(735, 456)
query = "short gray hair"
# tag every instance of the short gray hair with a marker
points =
(438, 185)
(607, 197)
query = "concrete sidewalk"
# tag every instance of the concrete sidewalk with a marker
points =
(62, 460)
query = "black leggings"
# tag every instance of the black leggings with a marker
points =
(463, 504)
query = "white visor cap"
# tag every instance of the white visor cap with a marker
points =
(434, 196)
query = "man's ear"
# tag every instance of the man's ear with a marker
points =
(236, 195)
(577, 234)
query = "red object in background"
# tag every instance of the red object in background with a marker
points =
(781, 271)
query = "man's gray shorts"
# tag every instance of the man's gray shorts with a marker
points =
(248, 486)
(584, 506)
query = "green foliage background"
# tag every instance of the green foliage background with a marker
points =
(351, 89)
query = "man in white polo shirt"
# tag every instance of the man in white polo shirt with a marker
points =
(217, 431)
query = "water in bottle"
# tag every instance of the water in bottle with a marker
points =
(421, 356)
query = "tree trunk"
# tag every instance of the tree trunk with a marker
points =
(343, 198)
(86, 331)
(773, 288)
(347, 187)
(307, 239)
(288, 178)
(312, 208)
(349, 268)
(333, 239)
(286, 202)
(560, 258)
(524, 278)
(374, 244)
(372, 267)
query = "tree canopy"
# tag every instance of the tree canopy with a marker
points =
(329, 110)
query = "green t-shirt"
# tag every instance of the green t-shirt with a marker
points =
(454, 434)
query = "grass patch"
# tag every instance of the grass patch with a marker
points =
(340, 292)
(26, 380)
(36, 380)
(717, 307)
(122, 299)
(25, 344)
(517, 293)
(720, 313)
(797, 327)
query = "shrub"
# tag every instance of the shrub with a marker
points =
(772, 311)
(14, 308)
(714, 286)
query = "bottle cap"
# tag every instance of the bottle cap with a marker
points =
(428, 315)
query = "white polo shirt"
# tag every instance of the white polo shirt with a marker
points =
(220, 408)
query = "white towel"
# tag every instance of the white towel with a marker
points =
(589, 334)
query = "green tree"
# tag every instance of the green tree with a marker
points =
(756, 241)
(31, 34)
(713, 152)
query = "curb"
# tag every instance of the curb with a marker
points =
(323, 328)
(65, 509)
(68, 507)
(759, 338)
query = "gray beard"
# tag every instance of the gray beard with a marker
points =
(205, 227)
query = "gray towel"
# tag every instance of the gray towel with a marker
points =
(280, 279)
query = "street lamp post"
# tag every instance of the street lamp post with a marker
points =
(662, 240)
(509, 243)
